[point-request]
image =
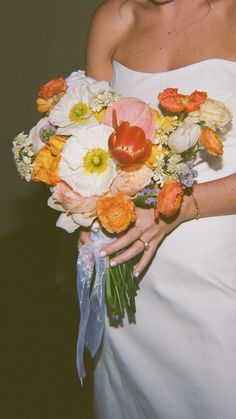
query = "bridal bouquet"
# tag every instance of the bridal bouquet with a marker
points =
(102, 155)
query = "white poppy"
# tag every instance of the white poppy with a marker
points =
(71, 109)
(86, 164)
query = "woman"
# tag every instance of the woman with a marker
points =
(179, 360)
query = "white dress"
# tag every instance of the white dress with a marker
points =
(179, 360)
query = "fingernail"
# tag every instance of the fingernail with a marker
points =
(102, 253)
(113, 263)
(95, 227)
(136, 275)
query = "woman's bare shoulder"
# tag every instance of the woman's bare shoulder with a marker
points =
(109, 25)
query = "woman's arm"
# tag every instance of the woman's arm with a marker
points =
(213, 198)
(108, 26)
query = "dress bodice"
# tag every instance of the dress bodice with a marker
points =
(178, 359)
(215, 76)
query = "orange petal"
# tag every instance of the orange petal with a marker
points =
(169, 199)
(171, 100)
(211, 141)
(52, 88)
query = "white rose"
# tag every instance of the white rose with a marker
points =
(184, 137)
(214, 113)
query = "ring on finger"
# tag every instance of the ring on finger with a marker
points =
(146, 244)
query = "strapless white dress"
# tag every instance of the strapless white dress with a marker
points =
(179, 360)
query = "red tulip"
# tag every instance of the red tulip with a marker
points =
(128, 144)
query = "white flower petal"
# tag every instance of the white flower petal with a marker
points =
(34, 134)
(59, 115)
(84, 220)
(51, 203)
(184, 137)
(74, 129)
(67, 223)
(71, 168)
(72, 155)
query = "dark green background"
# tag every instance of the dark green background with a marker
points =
(39, 312)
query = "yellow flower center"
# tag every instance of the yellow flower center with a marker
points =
(96, 161)
(79, 113)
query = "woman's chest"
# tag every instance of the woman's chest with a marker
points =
(155, 45)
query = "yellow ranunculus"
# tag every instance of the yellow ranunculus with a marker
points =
(45, 166)
(56, 144)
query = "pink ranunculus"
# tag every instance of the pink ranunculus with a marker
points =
(134, 111)
(71, 201)
(130, 181)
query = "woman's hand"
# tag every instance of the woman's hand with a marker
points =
(146, 236)
(84, 234)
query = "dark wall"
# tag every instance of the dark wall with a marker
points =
(39, 41)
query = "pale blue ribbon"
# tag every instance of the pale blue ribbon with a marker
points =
(91, 302)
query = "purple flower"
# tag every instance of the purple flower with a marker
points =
(147, 190)
(150, 201)
(187, 174)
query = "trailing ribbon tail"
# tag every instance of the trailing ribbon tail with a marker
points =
(91, 301)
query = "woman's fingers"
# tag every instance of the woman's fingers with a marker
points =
(135, 249)
(133, 234)
(145, 259)
(83, 238)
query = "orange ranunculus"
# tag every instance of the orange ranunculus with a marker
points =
(169, 199)
(56, 144)
(46, 105)
(115, 213)
(175, 102)
(171, 100)
(211, 141)
(129, 145)
(52, 88)
(194, 101)
(45, 167)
